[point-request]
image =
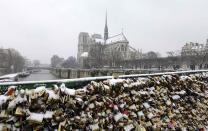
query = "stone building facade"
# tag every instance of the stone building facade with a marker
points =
(97, 51)
(194, 49)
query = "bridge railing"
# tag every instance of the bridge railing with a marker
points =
(80, 82)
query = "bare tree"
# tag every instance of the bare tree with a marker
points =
(56, 61)
(16, 61)
(114, 58)
(96, 56)
(70, 62)
(152, 55)
(174, 53)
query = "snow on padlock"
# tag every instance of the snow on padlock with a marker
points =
(122, 105)
(92, 105)
(146, 105)
(3, 99)
(143, 92)
(36, 117)
(129, 127)
(106, 87)
(52, 95)
(176, 97)
(113, 82)
(40, 90)
(133, 114)
(150, 115)
(133, 107)
(140, 113)
(115, 107)
(182, 92)
(94, 127)
(48, 115)
(118, 116)
(152, 88)
(17, 100)
(67, 90)
(168, 102)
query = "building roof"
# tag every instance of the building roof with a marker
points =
(117, 38)
(97, 40)
(84, 54)
(193, 46)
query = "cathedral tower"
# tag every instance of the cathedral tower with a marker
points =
(106, 29)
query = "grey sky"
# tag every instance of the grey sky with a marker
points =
(41, 28)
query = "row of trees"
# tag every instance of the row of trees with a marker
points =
(98, 59)
(11, 60)
(59, 62)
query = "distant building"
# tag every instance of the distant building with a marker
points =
(5, 60)
(190, 49)
(95, 48)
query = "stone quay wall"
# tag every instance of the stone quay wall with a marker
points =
(80, 73)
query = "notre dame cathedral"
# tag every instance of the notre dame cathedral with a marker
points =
(94, 51)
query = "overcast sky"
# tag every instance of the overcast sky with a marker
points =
(40, 28)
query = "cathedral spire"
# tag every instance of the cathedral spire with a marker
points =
(106, 28)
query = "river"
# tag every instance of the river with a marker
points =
(42, 75)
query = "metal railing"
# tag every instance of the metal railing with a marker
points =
(80, 82)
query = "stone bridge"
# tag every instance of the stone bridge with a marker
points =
(41, 68)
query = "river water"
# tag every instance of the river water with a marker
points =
(42, 75)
